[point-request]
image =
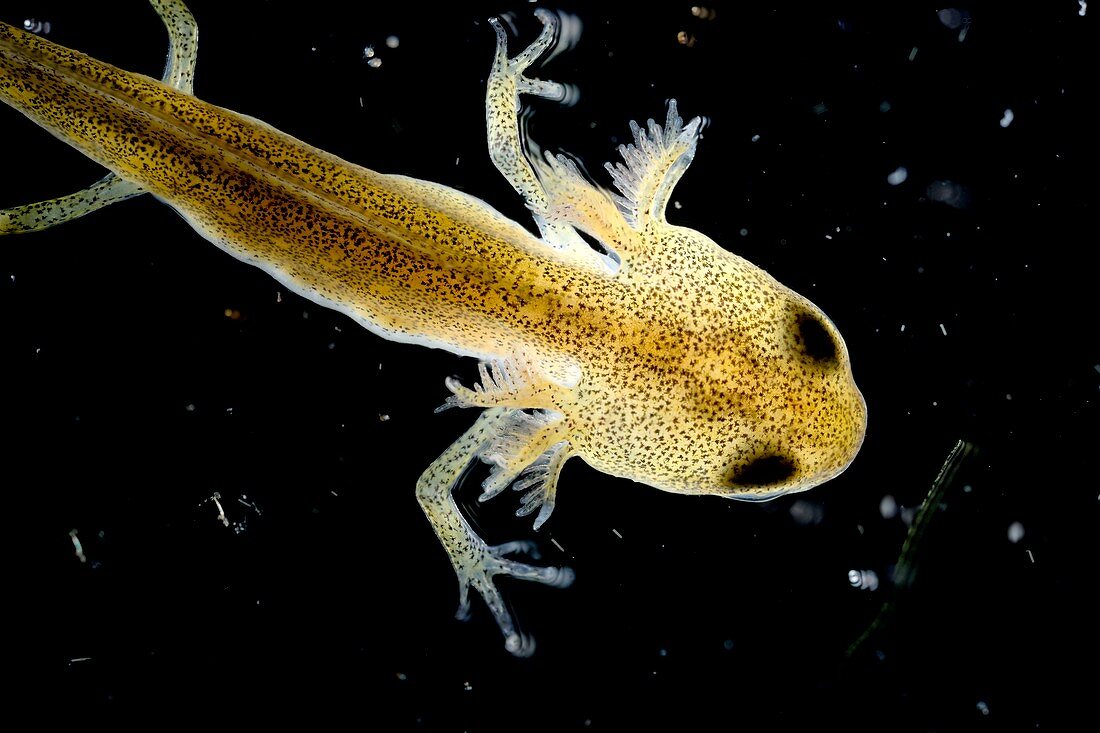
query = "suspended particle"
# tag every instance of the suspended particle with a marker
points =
(1006, 120)
(392, 41)
(374, 63)
(685, 39)
(704, 13)
(898, 176)
(42, 27)
(1015, 532)
(863, 579)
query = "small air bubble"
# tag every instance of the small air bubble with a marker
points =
(744, 232)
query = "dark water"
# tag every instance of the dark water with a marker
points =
(964, 294)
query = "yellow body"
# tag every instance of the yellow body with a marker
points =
(662, 358)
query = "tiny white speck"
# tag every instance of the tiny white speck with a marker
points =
(1030, 557)
(557, 544)
(756, 138)
(1007, 119)
(898, 176)
(943, 329)
(392, 41)
(1015, 532)
(616, 533)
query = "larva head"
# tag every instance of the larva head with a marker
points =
(794, 415)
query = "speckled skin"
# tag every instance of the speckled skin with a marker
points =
(685, 367)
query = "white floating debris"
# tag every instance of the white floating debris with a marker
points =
(807, 512)
(368, 52)
(392, 41)
(898, 176)
(677, 205)
(943, 329)
(374, 63)
(884, 106)
(863, 579)
(903, 328)
(1084, 6)
(983, 708)
(1015, 532)
(1030, 556)
(1007, 119)
(402, 676)
(43, 26)
(383, 418)
(557, 544)
(616, 533)
(728, 645)
(744, 232)
(913, 53)
(948, 192)
(950, 17)
(78, 549)
(888, 507)
(756, 138)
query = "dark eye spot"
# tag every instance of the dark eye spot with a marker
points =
(817, 342)
(765, 471)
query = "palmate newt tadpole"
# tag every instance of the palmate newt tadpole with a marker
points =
(642, 347)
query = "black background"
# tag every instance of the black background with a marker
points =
(328, 594)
